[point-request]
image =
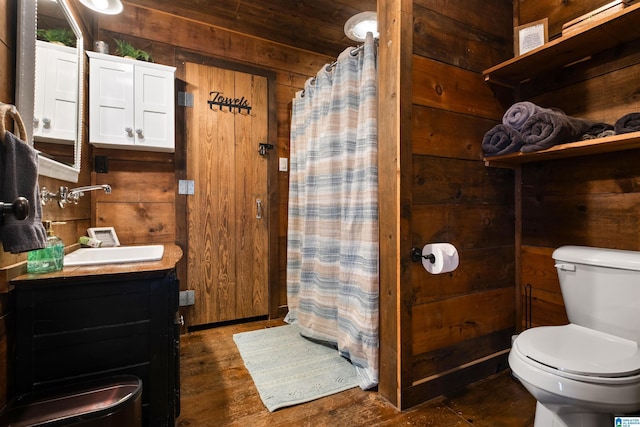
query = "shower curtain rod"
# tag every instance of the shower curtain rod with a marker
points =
(354, 52)
(329, 67)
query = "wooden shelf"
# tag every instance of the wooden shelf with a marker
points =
(615, 29)
(627, 141)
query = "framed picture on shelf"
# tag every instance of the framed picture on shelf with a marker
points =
(530, 36)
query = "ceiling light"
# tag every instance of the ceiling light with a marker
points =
(108, 7)
(359, 25)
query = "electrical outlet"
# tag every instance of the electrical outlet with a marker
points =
(101, 164)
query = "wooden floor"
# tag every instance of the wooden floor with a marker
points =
(217, 390)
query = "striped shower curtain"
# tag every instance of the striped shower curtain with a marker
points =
(332, 246)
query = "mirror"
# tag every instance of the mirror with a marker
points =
(57, 159)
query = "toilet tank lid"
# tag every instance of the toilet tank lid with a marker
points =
(614, 258)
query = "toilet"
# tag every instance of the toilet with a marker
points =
(585, 373)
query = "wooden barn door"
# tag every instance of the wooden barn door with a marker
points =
(227, 223)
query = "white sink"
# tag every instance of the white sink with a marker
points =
(114, 255)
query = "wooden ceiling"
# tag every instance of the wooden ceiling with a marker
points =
(314, 25)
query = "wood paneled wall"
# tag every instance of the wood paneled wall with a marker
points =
(7, 50)
(7, 80)
(141, 206)
(592, 200)
(556, 12)
(7, 89)
(394, 136)
(453, 328)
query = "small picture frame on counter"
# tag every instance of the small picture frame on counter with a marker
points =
(107, 235)
(530, 36)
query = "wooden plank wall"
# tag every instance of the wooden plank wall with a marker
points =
(394, 98)
(7, 88)
(141, 206)
(556, 12)
(461, 322)
(592, 200)
(7, 50)
(167, 35)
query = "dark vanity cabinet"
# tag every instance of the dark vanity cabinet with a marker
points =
(87, 327)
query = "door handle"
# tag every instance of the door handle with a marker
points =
(263, 148)
(258, 209)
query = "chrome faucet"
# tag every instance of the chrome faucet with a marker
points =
(64, 195)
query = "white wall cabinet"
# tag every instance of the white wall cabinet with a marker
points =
(131, 104)
(55, 108)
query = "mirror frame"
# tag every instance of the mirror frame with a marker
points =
(25, 84)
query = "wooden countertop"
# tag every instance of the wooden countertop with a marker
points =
(172, 254)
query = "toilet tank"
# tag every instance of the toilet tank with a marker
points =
(601, 288)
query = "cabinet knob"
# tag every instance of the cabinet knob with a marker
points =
(139, 132)
(129, 131)
(46, 122)
(36, 122)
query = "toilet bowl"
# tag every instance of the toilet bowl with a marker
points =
(588, 392)
(586, 372)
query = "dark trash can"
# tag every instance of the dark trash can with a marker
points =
(108, 402)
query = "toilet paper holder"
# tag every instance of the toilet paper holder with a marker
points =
(416, 256)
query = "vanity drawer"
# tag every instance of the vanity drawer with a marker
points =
(77, 353)
(89, 313)
(75, 307)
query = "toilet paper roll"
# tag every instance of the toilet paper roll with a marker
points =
(446, 258)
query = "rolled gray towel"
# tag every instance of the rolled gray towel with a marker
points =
(501, 139)
(628, 123)
(597, 130)
(517, 115)
(544, 130)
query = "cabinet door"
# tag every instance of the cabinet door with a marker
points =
(56, 93)
(111, 103)
(154, 108)
(102, 326)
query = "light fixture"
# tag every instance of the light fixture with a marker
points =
(108, 7)
(357, 27)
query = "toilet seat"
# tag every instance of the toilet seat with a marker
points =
(580, 353)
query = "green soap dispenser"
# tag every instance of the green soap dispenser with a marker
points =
(49, 258)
